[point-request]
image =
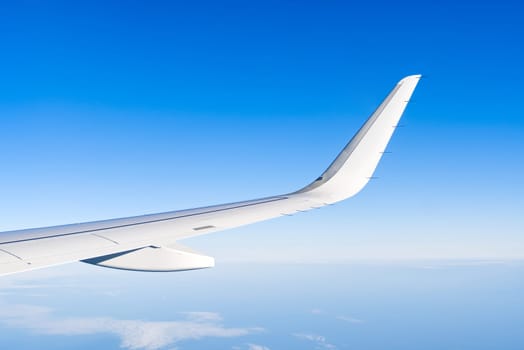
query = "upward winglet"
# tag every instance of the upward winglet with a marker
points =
(354, 166)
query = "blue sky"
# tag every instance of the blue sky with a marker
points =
(113, 109)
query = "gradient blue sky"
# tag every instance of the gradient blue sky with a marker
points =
(113, 109)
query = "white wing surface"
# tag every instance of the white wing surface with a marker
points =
(149, 242)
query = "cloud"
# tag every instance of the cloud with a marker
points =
(133, 334)
(251, 346)
(319, 340)
(202, 316)
(349, 319)
(257, 347)
(341, 318)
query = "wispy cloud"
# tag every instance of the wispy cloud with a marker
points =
(257, 347)
(349, 319)
(344, 318)
(133, 334)
(202, 316)
(319, 340)
(317, 311)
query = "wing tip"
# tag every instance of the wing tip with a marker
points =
(410, 78)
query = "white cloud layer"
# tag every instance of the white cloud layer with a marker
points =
(133, 334)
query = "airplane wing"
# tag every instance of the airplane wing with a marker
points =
(150, 242)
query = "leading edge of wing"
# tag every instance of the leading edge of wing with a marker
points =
(345, 177)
